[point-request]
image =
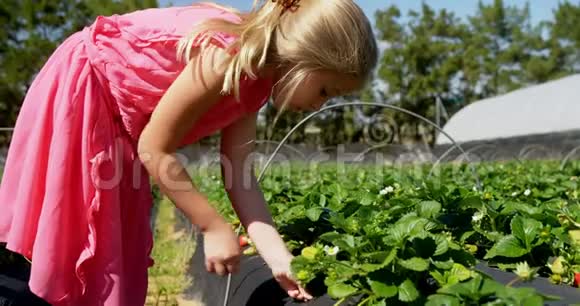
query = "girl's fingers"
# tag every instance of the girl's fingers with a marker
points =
(232, 264)
(295, 294)
(305, 294)
(293, 289)
(220, 269)
(232, 268)
(301, 293)
(286, 284)
(209, 266)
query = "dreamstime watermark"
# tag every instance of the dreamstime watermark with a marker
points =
(119, 166)
(174, 172)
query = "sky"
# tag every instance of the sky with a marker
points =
(540, 9)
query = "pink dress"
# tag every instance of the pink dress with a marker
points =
(74, 197)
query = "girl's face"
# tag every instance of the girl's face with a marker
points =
(317, 88)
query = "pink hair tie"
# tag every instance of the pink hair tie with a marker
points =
(291, 5)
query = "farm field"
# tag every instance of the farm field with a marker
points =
(388, 236)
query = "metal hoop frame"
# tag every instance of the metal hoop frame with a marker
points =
(310, 116)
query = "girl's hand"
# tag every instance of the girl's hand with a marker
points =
(283, 275)
(221, 248)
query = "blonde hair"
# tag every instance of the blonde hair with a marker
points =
(333, 35)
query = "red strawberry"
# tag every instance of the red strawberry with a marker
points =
(244, 241)
(577, 279)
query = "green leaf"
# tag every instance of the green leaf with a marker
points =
(292, 213)
(366, 198)
(314, 213)
(381, 289)
(349, 240)
(415, 264)
(490, 235)
(407, 291)
(521, 296)
(383, 258)
(526, 230)
(300, 264)
(344, 269)
(339, 192)
(343, 241)
(322, 202)
(458, 274)
(429, 209)
(377, 303)
(508, 246)
(534, 300)
(475, 287)
(330, 237)
(339, 291)
(511, 207)
(442, 300)
(471, 202)
(408, 226)
(440, 278)
(463, 257)
(336, 204)
(442, 245)
(443, 265)
(268, 196)
(466, 236)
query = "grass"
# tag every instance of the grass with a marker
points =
(171, 253)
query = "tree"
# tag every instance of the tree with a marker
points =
(423, 61)
(544, 62)
(565, 37)
(497, 49)
(501, 36)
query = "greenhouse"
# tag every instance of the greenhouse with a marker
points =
(548, 108)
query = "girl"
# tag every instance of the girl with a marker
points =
(116, 100)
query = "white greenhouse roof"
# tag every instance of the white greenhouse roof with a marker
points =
(546, 108)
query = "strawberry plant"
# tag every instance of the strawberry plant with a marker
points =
(386, 236)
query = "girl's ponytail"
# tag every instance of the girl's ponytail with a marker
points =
(252, 49)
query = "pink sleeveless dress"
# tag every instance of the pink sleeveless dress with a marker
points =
(74, 197)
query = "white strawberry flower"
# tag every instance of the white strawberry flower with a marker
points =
(387, 190)
(478, 216)
(527, 192)
(331, 251)
(524, 271)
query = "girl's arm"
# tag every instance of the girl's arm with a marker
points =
(194, 91)
(237, 145)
